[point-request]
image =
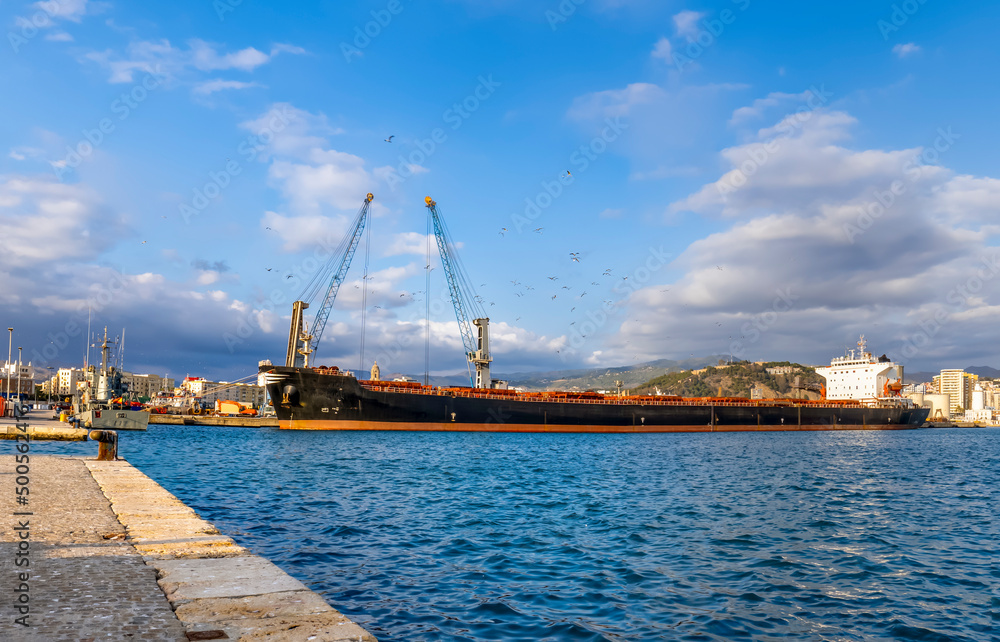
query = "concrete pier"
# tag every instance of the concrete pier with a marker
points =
(112, 555)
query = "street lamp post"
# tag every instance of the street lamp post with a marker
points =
(10, 342)
(20, 399)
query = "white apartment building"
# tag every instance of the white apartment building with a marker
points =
(147, 385)
(67, 380)
(958, 384)
(212, 391)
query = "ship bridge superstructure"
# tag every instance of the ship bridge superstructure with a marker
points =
(862, 376)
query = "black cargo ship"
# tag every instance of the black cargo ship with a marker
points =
(330, 399)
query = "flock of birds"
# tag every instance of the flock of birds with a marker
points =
(521, 289)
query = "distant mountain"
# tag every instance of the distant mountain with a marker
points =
(584, 378)
(604, 378)
(738, 380)
(984, 371)
(631, 376)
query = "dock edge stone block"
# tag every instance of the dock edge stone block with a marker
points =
(212, 583)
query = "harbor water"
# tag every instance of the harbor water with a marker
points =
(848, 535)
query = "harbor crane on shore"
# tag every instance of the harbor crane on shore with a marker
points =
(477, 345)
(303, 340)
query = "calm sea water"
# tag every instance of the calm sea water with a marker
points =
(757, 536)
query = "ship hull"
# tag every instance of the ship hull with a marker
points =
(113, 419)
(305, 399)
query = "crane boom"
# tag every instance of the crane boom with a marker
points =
(477, 347)
(309, 338)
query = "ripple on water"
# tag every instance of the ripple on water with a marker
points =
(847, 535)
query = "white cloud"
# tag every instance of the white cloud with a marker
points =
(815, 258)
(611, 213)
(213, 86)
(663, 50)
(614, 102)
(410, 243)
(44, 220)
(176, 63)
(290, 131)
(59, 36)
(905, 50)
(686, 24)
(757, 109)
(72, 10)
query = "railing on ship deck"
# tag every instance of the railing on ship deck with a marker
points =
(415, 388)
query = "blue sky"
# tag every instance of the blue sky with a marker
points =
(768, 181)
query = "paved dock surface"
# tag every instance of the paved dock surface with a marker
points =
(114, 556)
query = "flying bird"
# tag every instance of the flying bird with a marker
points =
(553, 297)
(607, 272)
(143, 243)
(290, 276)
(389, 140)
(269, 269)
(502, 230)
(553, 278)
(539, 229)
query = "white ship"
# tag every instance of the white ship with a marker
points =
(862, 376)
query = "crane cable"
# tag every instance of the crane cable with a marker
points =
(427, 302)
(364, 296)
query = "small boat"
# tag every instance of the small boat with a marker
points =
(106, 408)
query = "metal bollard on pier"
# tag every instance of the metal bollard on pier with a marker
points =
(108, 448)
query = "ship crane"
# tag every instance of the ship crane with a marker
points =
(302, 339)
(477, 345)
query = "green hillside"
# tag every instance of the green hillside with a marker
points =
(733, 381)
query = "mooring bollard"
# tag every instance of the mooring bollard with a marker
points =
(108, 448)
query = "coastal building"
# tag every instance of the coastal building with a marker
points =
(781, 370)
(212, 391)
(67, 380)
(958, 384)
(147, 385)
